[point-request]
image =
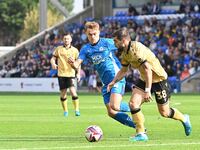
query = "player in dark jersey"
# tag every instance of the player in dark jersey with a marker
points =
(153, 78)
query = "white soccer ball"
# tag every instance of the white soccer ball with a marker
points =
(93, 133)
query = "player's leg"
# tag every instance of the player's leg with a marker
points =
(124, 106)
(162, 93)
(63, 94)
(115, 99)
(72, 89)
(75, 100)
(117, 104)
(137, 115)
(173, 113)
(121, 117)
(63, 99)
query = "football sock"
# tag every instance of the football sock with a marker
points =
(124, 119)
(177, 115)
(76, 104)
(64, 105)
(124, 107)
(138, 118)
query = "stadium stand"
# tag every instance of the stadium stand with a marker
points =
(173, 36)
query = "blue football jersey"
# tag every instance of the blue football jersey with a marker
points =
(102, 56)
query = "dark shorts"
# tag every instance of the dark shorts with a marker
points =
(66, 82)
(160, 89)
(99, 84)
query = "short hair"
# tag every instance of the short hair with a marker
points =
(121, 33)
(92, 25)
(67, 33)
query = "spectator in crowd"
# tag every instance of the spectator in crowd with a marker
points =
(82, 77)
(92, 82)
(185, 73)
(146, 8)
(132, 11)
(155, 7)
(196, 7)
(182, 6)
(99, 84)
(164, 2)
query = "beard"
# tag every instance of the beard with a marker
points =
(119, 51)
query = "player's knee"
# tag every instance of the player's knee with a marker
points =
(63, 99)
(74, 98)
(115, 107)
(164, 114)
(63, 91)
(132, 105)
(167, 114)
(171, 113)
(135, 110)
(111, 113)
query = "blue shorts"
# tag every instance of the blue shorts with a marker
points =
(119, 88)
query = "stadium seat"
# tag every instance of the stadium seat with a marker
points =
(168, 11)
(121, 13)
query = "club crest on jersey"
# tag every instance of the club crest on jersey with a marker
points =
(101, 49)
(140, 60)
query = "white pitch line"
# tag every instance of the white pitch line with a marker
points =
(105, 146)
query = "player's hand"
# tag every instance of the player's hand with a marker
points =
(54, 66)
(78, 77)
(70, 60)
(147, 97)
(110, 85)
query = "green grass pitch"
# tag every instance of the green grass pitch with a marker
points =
(36, 122)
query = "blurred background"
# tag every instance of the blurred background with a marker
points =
(31, 30)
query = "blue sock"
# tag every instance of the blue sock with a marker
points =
(124, 107)
(124, 119)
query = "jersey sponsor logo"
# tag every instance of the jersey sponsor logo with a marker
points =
(96, 59)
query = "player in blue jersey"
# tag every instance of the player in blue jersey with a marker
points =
(100, 52)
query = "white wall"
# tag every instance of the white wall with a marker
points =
(5, 49)
(29, 85)
(78, 6)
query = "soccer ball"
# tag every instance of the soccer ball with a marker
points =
(93, 133)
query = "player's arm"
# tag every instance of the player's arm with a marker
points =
(53, 62)
(75, 63)
(120, 74)
(148, 75)
(141, 57)
(118, 77)
(148, 80)
(78, 73)
(78, 70)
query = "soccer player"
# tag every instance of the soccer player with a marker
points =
(153, 78)
(66, 74)
(100, 52)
